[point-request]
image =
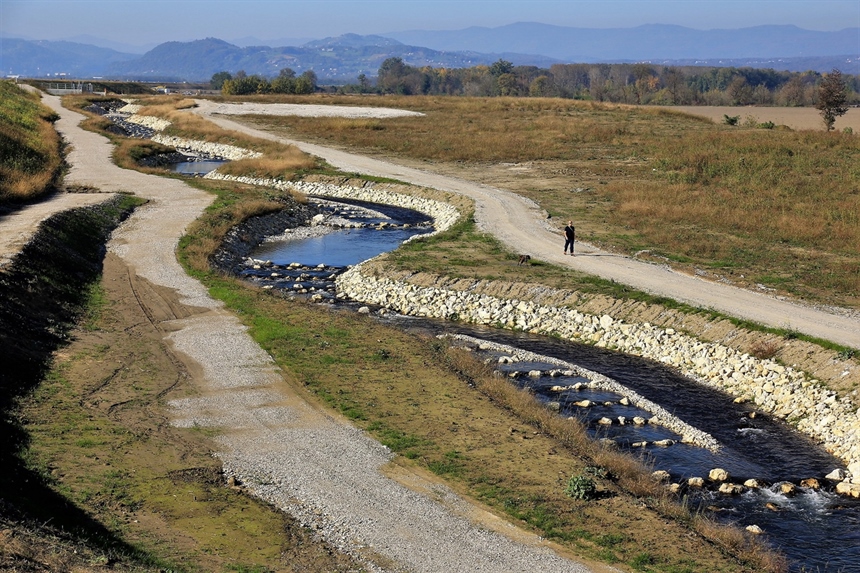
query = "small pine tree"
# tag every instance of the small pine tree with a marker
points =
(832, 98)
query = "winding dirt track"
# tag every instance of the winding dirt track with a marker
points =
(320, 469)
(522, 226)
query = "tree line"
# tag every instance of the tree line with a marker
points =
(286, 82)
(639, 83)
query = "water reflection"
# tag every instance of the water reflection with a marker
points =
(338, 248)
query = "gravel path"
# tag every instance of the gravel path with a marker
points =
(523, 226)
(321, 469)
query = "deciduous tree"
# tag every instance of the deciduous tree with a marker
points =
(217, 81)
(832, 98)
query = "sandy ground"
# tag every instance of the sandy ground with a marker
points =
(522, 225)
(794, 117)
(315, 467)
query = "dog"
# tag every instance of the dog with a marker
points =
(524, 260)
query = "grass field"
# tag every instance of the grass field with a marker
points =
(772, 207)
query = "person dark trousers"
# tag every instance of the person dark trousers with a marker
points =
(569, 234)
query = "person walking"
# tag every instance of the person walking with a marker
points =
(569, 234)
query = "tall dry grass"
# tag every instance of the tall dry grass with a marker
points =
(30, 156)
(278, 164)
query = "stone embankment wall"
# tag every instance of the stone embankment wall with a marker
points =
(778, 390)
(157, 124)
(241, 240)
(662, 417)
(443, 214)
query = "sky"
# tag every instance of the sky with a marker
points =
(146, 23)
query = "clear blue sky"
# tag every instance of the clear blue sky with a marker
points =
(150, 22)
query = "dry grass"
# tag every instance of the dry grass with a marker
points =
(279, 164)
(278, 161)
(776, 207)
(30, 158)
(236, 204)
(191, 126)
(765, 349)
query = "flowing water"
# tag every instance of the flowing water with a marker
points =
(816, 529)
(199, 167)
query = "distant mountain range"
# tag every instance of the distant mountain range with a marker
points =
(649, 42)
(343, 58)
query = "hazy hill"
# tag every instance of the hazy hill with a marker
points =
(654, 41)
(40, 58)
(342, 58)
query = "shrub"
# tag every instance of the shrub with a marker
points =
(581, 487)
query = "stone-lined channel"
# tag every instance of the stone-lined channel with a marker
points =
(696, 428)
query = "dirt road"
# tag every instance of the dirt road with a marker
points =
(523, 227)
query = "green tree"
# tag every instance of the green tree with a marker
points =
(392, 76)
(501, 67)
(217, 81)
(285, 83)
(541, 86)
(507, 84)
(306, 83)
(832, 98)
(363, 83)
(245, 85)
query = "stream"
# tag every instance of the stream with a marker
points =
(818, 530)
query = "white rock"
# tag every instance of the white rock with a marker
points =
(718, 474)
(836, 475)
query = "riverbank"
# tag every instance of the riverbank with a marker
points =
(785, 392)
(782, 391)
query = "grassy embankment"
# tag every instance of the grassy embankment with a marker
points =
(30, 155)
(773, 207)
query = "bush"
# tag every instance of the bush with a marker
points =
(581, 487)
